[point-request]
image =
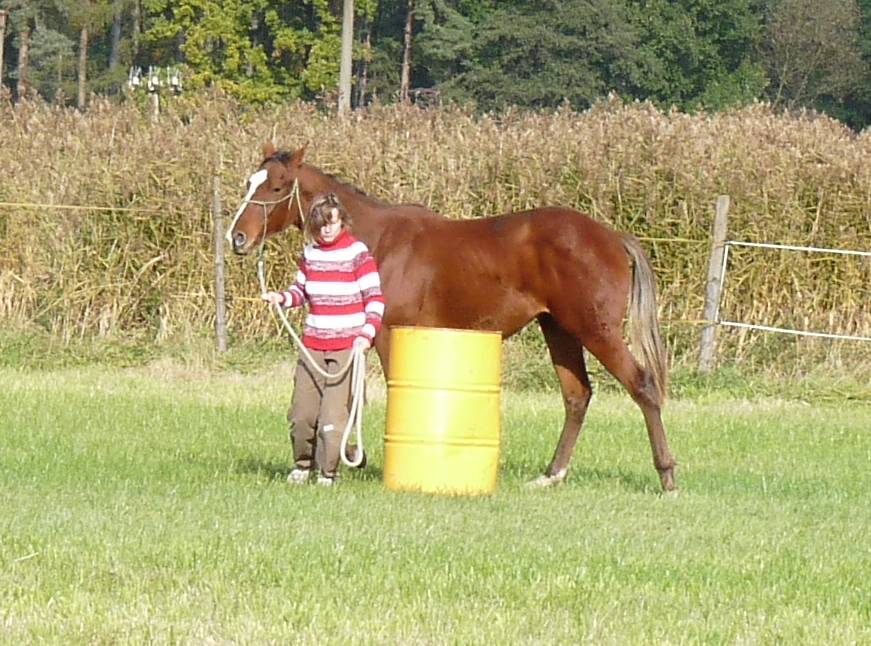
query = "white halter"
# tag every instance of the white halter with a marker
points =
(253, 183)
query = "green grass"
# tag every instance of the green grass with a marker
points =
(148, 505)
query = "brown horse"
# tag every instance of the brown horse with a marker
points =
(558, 265)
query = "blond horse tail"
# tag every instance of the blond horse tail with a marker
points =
(643, 318)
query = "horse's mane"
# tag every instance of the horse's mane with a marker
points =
(284, 156)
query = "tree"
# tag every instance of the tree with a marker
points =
(699, 53)
(22, 16)
(531, 54)
(346, 58)
(812, 51)
(3, 16)
(257, 50)
(445, 46)
(86, 17)
(855, 107)
(689, 53)
(381, 59)
(53, 67)
(405, 73)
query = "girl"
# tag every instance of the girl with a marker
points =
(339, 280)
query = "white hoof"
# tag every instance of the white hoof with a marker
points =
(547, 481)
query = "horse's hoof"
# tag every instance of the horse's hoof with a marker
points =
(666, 478)
(547, 481)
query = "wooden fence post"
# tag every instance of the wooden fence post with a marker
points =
(154, 97)
(713, 286)
(220, 303)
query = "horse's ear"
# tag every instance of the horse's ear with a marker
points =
(268, 150)
(298, 154)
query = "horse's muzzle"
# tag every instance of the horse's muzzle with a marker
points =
(239, 243)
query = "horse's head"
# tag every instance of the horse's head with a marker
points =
(274, 200)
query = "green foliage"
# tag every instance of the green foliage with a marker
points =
(813, 52)
(90, 14)
(538, 55)
(215, 44)
(257, 51)
(22, 13)
(444, 48)
(688, 54)
(699, 53)
(53, 63)
(691, 54)
(855, 108)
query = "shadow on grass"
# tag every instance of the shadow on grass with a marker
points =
(274, 470)
(266, 469)
(369, 474)
(629, 480)
(580, 477)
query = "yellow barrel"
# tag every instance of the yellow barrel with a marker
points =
(443, 391)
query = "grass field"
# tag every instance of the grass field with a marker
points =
(149, 506)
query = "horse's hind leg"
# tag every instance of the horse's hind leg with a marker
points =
(567, 355)
(613, 353)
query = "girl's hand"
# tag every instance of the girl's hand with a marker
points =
(362, 342)
(273, 298)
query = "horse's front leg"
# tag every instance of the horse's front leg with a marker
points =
(382, 347)
(567, 355)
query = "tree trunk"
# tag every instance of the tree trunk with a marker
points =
(115, 42)
(23, 61)
(137, 29)
(83, 67)
(2, 40)
(363, 68)
(405, 76)
(345, 66)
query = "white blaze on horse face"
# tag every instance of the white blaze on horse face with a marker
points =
(253, 182)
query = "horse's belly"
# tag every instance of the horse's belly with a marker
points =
(496, 313)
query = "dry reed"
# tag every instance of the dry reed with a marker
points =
(796, 179)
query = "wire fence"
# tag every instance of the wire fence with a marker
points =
(716, 320)
(772, 328)
(77, 207)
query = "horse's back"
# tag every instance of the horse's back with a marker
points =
(551, 233)
(501, 271)
(551, 239)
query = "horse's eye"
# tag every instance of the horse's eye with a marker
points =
(277, 190)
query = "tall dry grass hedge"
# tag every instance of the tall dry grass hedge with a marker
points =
(797, 179)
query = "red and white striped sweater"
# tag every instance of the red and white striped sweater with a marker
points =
(339, 280)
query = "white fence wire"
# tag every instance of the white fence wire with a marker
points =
(770, 328)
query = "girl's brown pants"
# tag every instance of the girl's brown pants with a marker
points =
(319, 411)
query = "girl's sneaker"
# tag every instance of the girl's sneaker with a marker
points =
(298, 476)
(326, 481)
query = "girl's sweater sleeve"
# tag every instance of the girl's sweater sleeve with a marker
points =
(295, 296)
(369, 282)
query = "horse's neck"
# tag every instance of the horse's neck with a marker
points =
(369, 222)
(369, 215)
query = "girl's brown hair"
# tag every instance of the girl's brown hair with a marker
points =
(322, 211)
